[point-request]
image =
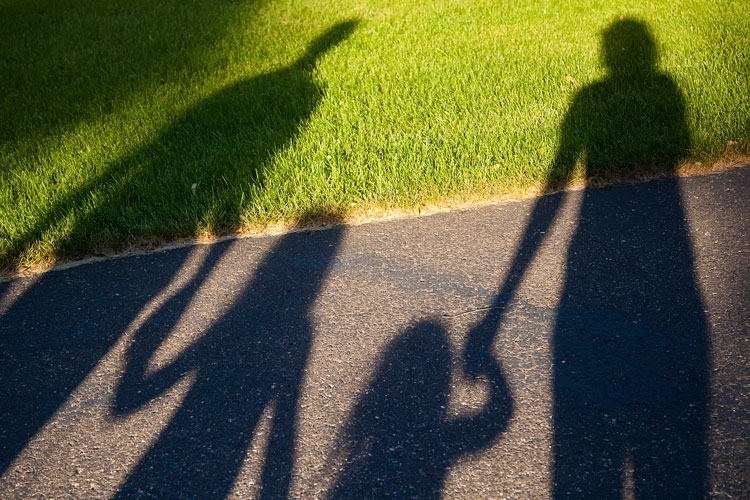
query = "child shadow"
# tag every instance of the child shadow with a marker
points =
(400, 442)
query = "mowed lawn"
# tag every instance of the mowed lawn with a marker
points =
(129, 123)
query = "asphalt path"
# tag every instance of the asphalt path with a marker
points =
(586, 344)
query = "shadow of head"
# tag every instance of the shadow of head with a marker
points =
(628, 49)
(326, 41)
(415, 372)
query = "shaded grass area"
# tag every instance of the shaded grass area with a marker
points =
(125, 123)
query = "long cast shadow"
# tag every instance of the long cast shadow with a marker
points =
(630, 339)
(252, 357)
(630, 343)
(59, 329)
(400, 442)
(45, 356)
(200, 171)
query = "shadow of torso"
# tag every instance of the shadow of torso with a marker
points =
(204, 169)
(400, 441)
(201, 172)
(630, 340)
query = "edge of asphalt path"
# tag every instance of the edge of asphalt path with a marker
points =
(691, 169)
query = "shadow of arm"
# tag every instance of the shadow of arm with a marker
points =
(137, 387)
(477, 351)
(469, 434)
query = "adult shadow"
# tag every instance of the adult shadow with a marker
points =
(630, 340)
(399, 442)
(44, 357)
(202, 171)
(251, 359)
(57, 331)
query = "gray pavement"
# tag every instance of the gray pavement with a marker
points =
(588, 344)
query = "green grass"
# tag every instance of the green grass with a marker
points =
(124, 123)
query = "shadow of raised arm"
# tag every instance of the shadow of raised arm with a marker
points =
(546, 207)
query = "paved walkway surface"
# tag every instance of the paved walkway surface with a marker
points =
(589, 344)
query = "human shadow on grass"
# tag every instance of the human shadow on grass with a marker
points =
(201, 172)
(400, 441)
(44, 357)
(630, 340)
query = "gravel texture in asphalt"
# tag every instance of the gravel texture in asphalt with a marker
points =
(586, 344)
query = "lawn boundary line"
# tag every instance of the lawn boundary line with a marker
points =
(690, 168)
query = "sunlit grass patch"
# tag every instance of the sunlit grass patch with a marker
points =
(126, 122)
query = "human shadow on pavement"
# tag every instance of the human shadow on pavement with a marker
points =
(251, 359)
(630, 343)
(44, 357)
(400, 442)
(200, 172)
(56, 332)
